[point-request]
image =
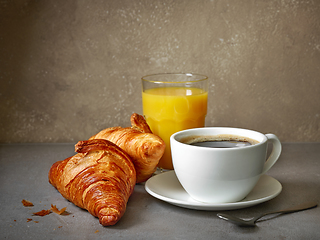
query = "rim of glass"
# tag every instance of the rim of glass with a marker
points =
(201, 77)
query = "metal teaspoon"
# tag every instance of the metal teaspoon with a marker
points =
(252, 222)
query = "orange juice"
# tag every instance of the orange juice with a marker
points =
(171, 109)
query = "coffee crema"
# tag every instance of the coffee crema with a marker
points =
(219, 141)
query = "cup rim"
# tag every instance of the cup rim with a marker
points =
(201, 77)
(173, 138)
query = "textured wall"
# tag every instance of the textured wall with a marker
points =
(71, 68)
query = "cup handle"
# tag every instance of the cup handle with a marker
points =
(276, 151)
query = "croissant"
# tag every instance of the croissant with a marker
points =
(99, 178)
(144, 148)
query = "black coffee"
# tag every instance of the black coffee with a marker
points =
(219, 141)
(222, 144)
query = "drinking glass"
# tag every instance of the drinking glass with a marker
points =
(173, 102)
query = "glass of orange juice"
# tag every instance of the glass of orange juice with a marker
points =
(173, 102)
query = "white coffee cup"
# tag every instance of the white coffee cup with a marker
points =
(221, 175)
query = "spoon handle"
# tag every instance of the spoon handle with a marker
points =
(297, 208)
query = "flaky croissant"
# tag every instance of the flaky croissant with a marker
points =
(99, 178)
(144, 148)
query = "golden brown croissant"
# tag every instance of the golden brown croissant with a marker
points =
(144, 148)
(99, 178)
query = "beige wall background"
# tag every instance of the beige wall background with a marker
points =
(71, 68)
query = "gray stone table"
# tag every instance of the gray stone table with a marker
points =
(24, 175)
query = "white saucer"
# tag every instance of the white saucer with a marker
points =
(166, 187)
